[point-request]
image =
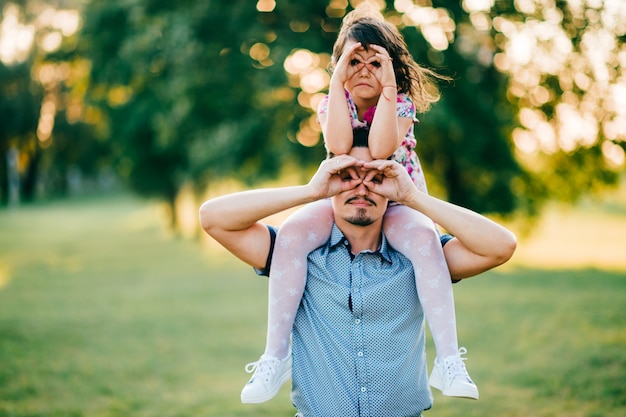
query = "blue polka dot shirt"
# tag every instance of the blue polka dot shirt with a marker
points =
(358, 337)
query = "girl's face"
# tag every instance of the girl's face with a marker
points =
(363, 73)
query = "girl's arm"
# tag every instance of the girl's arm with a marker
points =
(388, 130)
(384, 142)
(336, 125)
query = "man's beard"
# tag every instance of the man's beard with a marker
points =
(360, 218)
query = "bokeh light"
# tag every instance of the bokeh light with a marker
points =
(16, 39)
(591, 78)
(265, 6)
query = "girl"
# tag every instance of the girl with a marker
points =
(375, 85)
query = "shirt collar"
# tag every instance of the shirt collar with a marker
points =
(337, 238)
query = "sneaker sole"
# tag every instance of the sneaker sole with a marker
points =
(271, 394)
(435, 381)
(469, 393)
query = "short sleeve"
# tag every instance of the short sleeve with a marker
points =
(265, 272)
(405, 106)
(322, 108)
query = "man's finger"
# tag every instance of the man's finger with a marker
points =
(380, 165)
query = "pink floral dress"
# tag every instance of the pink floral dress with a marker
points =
(405, 154)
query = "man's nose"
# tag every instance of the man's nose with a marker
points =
(361, 190)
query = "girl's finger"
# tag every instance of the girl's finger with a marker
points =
(369, 176)
(346, 55)
(384, 58)
(379, 49)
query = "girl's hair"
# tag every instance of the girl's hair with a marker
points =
(366, 25)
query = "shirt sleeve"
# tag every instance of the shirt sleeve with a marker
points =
(444, 238)
(265, 272)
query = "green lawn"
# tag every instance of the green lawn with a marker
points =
(103, 313)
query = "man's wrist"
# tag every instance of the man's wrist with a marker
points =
(412, 200)
(311, 193)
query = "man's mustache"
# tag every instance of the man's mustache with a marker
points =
(351, 199)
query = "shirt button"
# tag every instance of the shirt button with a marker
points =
(357, 321)
(363, 389)
(360, 354)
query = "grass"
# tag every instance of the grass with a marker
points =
(103, 313)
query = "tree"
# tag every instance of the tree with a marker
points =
(20, 99)
(41, 99)
(192, 95)
(464, 141)
(179, 93)
(567, 81)
(191, 90)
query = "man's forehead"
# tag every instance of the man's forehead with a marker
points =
(361, 153)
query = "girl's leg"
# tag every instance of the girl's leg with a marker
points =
(414, 235)
(305, 230)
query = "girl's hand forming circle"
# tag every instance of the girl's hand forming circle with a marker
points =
(343, 69)
(385, 73)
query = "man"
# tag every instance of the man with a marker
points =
(358, 339)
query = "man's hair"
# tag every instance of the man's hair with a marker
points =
(360, 137)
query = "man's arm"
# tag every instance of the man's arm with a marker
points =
(234, 219)
(480, 243)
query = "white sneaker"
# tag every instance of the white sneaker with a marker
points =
(451, 378)
(270, 374)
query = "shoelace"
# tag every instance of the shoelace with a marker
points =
(263, 366)
(456, 367)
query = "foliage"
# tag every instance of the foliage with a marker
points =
(566, 68)
(464, 142)
(195, 104)
(42, 102)
(186, 103)
(171, 94)
(20, 99)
